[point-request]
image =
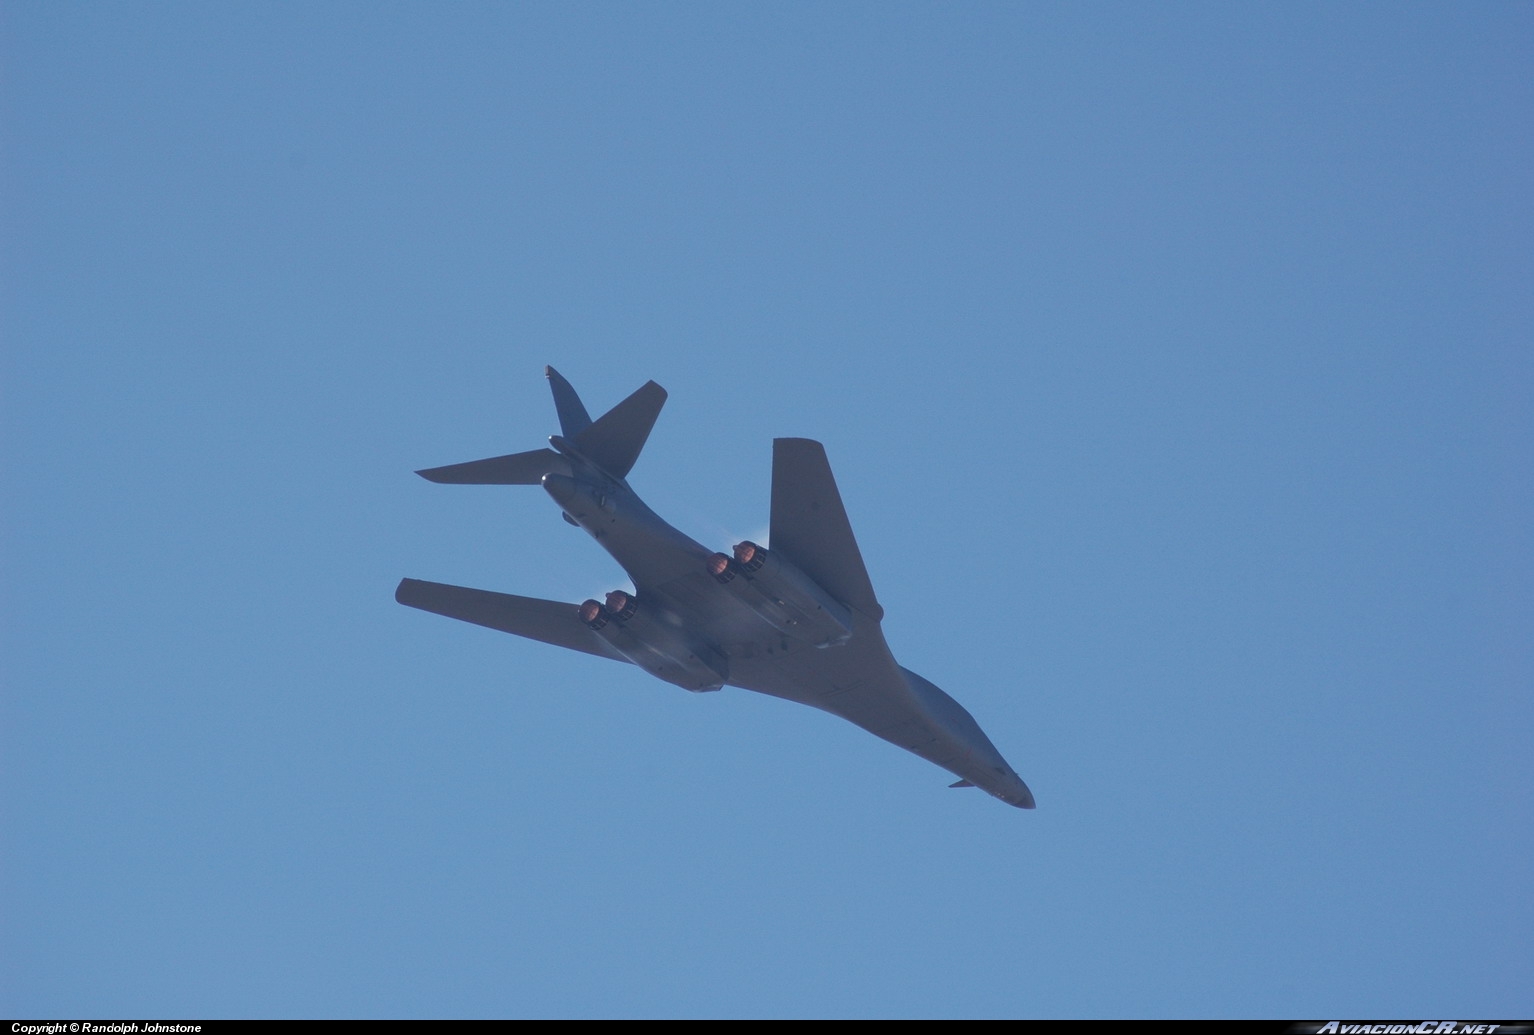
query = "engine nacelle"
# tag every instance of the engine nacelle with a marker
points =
(782, 595)
(653, 644)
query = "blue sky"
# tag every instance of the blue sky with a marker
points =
(1175, 364)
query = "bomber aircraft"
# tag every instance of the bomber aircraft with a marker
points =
(797, 619)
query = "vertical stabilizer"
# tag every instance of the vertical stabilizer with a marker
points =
(573, 418)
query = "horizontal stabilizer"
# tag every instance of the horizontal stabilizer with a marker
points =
(547, 620)
(614, 441)
(962, 783)
(513, 469)
(809, 524)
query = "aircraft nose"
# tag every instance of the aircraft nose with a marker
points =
(1016, 793)
(1025, 799)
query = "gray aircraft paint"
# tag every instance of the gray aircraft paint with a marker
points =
(699, 631)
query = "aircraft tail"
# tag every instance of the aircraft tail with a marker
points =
(612, 441)
(513, 469)
(573, 418)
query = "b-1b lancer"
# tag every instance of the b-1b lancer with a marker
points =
(797, 619)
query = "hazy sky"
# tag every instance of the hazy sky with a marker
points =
(1175, 363)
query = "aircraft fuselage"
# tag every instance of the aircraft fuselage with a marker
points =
(651, 550)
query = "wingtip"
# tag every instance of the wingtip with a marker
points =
(793, 447)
